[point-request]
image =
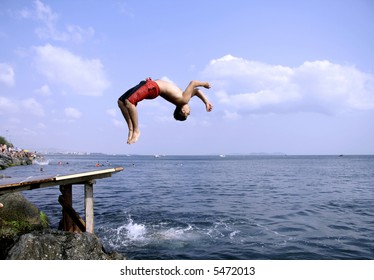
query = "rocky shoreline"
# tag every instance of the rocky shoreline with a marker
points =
(25, 232)
(8, 161)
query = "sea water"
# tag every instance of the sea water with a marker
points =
(232, 207)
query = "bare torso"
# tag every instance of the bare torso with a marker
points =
(171, 92)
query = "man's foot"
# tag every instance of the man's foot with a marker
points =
(129, 137)
(135, 137)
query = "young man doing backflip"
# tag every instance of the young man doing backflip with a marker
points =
(150, 89)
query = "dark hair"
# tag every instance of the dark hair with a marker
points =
(178, 114)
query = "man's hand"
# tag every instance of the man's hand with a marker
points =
(209, 106)
(206, 85)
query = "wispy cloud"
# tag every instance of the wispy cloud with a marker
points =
(317, 86)
(7, 74)
(73, 113)
(28, 106)
(49, 25)
(7, 105)
(118, 123)
(33, 107)
(112, 112)
(44, 90)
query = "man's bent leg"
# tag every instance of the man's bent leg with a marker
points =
(133, 112)
(126, 115)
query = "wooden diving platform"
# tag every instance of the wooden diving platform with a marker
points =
(71, 221)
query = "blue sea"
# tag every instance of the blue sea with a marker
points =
(215, 207)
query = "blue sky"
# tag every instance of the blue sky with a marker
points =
(287, 76)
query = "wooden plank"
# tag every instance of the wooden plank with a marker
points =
(82, 180)
(21, 181)
(89, 206)
(34, 182)
(89, 174)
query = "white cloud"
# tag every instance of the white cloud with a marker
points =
(33, 107)
(7, 105)
(49, 19)
(44, 90)
(6, 74)
(79, 34)
(231, 115)
(118, 123)
(39, 12)
(82, 76)
(318, 86)
(112, 112)
(72, 113)
(41, 126)
(28, 106)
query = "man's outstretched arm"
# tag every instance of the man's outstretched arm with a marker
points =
(201, 95)
(190, 89)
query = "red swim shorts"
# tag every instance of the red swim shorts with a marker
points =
(147, 89)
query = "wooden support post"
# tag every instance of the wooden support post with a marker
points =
(72, 214)
(67, 223)
(89, 205)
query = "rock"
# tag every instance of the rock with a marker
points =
(59, 245)
(18, 216)
(7, 161)
(25, 235)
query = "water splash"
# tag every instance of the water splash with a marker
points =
(161, 235)
(133, 230)
(183, 234)
(41, 161)
(234, 233)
